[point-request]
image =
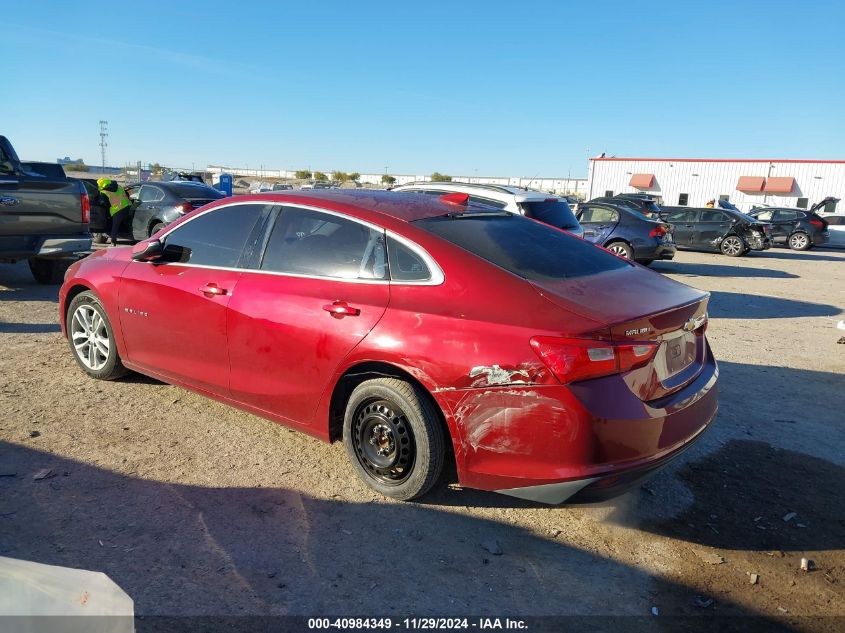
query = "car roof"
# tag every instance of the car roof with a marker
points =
(398, 205)
(502, 192)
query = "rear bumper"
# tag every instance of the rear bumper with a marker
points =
(45, 246)
(661, 250)
(583, 441)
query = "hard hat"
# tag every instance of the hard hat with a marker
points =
(102, 183)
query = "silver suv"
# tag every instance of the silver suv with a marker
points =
(538, 205)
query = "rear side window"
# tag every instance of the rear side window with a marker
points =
(216, 238)
(681, 216)
(553, 212)
(713, 216)
(405, 264)
(150, 194)
(527, 249)
(592, 215)
(306, 242)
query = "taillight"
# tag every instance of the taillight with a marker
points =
(573, 359)
(86, 208)
(817, 223)
(184, 208)
(657, 231)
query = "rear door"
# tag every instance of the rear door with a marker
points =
(315, 292)
(784, 223)
(173, 315)
(683, 226)
(712, 225)
(597, 221)
(150, 200)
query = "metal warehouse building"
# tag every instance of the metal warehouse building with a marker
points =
(745, 182)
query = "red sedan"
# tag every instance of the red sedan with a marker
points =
(416, 329)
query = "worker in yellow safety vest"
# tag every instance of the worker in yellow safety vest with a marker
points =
(120, 205)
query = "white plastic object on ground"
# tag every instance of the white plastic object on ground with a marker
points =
(45, 598)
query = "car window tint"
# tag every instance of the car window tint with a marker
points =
(681, 216)
(150, 194)
(307, 242)
(550, 211)
(599, 215)
(712, 216)
(487, 202)
(217, 237)
(764, 216)
(785, 215)
(529, 249)
(405, 264)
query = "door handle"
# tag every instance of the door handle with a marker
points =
(213, 290)
(340, 309)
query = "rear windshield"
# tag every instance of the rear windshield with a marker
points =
(554, 212)
(189, 191)
(528, 249)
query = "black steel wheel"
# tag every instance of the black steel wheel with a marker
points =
(393, 438)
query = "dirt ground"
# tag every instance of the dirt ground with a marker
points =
(195, 508)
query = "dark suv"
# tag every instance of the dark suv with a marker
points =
(626, 231)
(723, 230)
(796, 228)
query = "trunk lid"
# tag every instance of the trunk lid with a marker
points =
(638, 305)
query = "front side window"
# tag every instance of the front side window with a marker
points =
(306, 242)
(713, 216)
(765, 216)
(216, 238)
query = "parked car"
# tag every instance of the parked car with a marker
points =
(796, 228)
(317, 185)
(836, 229)
(160, 203)
(405, 324)
(625, 231)
(721, 230)
(43, 219)
(536, 205)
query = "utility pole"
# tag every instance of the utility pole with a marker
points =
(104, 132)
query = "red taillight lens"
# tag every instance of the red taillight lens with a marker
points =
(817, 223)
(184, 208)
(573, 359)
(86, 208)
(657, 231)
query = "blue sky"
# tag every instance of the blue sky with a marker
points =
(494, 88)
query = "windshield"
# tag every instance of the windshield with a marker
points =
(551, 211)
(527, 249)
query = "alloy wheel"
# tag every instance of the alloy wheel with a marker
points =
(90, 337)
(798, 241)
(383, 441)
(618, 249)
(731, 246)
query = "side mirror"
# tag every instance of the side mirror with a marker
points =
(148, 251)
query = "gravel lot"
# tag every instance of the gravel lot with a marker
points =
(196, 508)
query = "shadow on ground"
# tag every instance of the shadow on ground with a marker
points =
(733, 305)
(695, 269)
(183, 550)
(17, 284)
(783, 253)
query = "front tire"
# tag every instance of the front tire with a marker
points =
(91, 338)
(393, 438)
(799, 241)
(732, 246)
(49, 271)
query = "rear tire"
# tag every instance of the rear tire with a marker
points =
(155, 228)
(799, 241)
(732, 246)
(621, 249)
(393, 438)
(49, 271)
(91, 338)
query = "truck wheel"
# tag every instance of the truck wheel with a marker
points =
(49, 271)
(732, 246)
(393, 438)
(799, 241)
(91, 338)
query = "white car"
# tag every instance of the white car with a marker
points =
(541, 206)
(835, 229)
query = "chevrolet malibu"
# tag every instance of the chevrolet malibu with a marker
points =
(416, 330)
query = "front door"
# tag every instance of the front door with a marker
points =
(317, 290)
(173, 315)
